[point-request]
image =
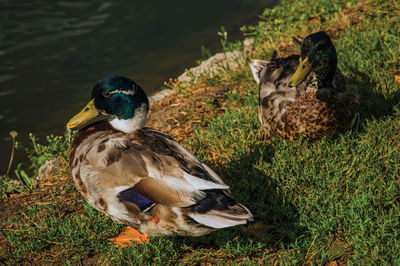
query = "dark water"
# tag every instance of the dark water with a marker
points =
(52, 52)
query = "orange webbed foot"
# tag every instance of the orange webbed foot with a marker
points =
(129, 236)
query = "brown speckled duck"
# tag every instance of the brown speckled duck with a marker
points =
(305, 94)
(141, 177)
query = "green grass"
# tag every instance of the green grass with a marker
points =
(323, 200)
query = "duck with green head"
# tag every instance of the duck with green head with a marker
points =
(141, 177)
(305, 94)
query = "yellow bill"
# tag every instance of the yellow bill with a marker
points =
(88, 113)
(301, 73)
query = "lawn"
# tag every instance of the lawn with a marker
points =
(332, 201)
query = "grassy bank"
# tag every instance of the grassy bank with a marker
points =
(331, 201)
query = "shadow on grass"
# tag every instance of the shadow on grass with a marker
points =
(373, 104)
(262, 195)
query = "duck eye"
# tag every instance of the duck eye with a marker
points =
(106, 94)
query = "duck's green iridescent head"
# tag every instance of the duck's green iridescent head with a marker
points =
(317, 55)
(114, 96)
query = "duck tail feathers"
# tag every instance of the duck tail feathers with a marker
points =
(234, 215)
(256, 66)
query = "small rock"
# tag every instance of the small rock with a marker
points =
(258, 229)
(47, 169)
(14, 182)
(248, 45)
(212, 65)
(13, 185)
(160, 95)
(337, 249)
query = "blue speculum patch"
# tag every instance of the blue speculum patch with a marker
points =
(135, 197)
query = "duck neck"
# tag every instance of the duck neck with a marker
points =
(132, 124)
(325, 76)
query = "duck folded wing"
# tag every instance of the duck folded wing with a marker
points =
(152, 168)
(176, 157)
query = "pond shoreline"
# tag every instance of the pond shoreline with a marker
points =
(209, 67)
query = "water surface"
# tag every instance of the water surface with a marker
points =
(52, 52)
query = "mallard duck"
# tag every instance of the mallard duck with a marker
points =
(305, 94)
(141, 177)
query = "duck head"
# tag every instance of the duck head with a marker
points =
(116, 99)
(318, 55)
